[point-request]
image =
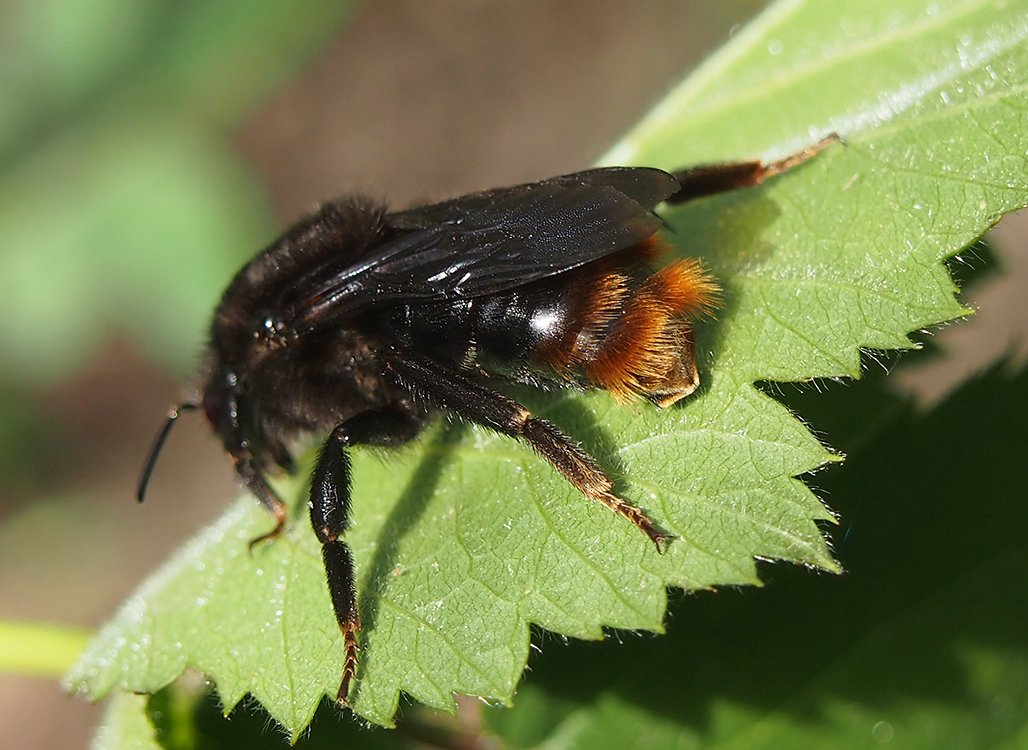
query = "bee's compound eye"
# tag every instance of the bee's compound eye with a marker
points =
(219, 402)
(214, 405)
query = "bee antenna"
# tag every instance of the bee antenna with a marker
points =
(158, 443)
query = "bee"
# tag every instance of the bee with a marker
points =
(363, 323)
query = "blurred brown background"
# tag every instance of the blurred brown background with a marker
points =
(409, 100)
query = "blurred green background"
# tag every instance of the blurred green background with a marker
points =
(147, 148)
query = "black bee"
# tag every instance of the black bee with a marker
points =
(362, 323)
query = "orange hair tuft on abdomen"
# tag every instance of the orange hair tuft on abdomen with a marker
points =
(648, 350)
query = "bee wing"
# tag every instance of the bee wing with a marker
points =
(645, 185)
(488, 242)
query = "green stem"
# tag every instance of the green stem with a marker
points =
(39, 650)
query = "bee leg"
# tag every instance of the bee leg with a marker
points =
(452, 391)
(330, 517)
(330, 511)
(255, 482)
(710, 179)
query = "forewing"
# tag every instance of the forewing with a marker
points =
(644, 185)
(492, 241)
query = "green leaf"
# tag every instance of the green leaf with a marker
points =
(126, 725)
(465, 539)
(922, 643)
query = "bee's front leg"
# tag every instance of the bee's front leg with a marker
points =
(330, 516)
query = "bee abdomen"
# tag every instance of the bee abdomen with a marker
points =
(629, 331)
(648, 351)
(612, 324)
